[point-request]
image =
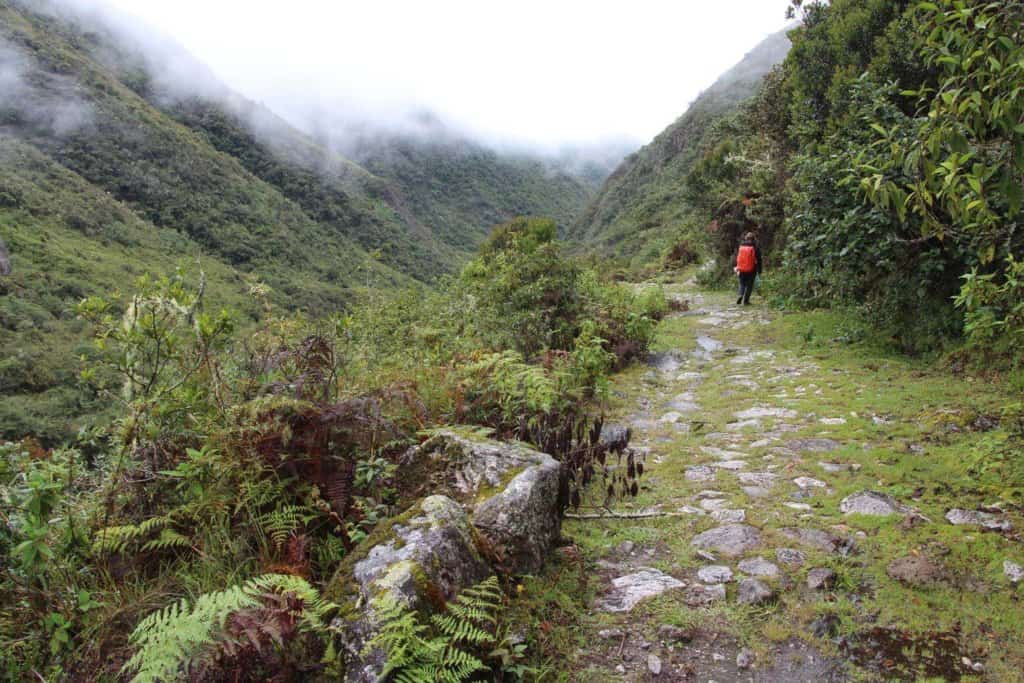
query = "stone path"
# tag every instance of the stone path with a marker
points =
(734, 453)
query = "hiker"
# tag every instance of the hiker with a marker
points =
(748, 267)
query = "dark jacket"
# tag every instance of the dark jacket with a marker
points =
(757, 253)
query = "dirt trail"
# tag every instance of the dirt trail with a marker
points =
(759, 571)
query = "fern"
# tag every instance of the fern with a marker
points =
(119, 539)
(280, 523)
(168, 538)
(447, 652)
(170, 641)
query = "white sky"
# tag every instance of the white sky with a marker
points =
(530, 71)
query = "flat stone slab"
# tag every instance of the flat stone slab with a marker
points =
(684, 403)
(758, 566)
(722, 454)
(702, 596)
(756, 491)
(833, 420)
(917, 570)
(815, 538)
(758, 412)
(812, 445)
(984, 520)
(763, 479)
(627, 591)
(753, 592)
(729, 516)
(1014, 572)
(821, 578)
(729, 539)
(743, 424)
(700, 473)
(714, 573)
(671, 417)
(833, 467)
(871, 503)
(790, 557)
(731, 465)
(711, 504)
(668, 361)
(809, 482)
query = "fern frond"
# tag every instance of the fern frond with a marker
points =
(170, 640)
(168, 538)
(413, 657)
(281, 522)
(117, 539)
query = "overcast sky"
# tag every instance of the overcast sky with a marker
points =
(534, 71)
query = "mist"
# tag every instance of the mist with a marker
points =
(532, 75)
(46, 102)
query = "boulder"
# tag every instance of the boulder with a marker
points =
(431, 553)
(511, 491)
(500, 513)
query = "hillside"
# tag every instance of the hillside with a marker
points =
(102, 185)
(640, 207)
(463, 188)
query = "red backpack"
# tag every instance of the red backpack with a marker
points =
(746, 260)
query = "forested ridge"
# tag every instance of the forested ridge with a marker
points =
(416, 410)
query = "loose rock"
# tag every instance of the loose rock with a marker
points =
(653, 664)
(1014, 572)
(753, 592)
(745, 659)
(808, 482)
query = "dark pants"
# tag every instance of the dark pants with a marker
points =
(746, 287)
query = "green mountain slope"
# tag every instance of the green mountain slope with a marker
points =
(640, 207)
(100, 186)
(461, 189)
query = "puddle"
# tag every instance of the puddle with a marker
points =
(902, 656)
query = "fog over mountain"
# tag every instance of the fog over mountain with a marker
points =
(532, 73)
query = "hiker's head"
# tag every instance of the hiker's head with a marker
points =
(749, 237)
